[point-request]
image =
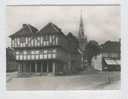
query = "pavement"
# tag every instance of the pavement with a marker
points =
(83, 81)
(10, 76)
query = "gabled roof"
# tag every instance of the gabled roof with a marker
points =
(26, 30)
(50, 28)
(111, 46)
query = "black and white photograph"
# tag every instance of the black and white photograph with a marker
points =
(63, 47)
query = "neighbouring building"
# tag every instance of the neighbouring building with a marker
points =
(48, 50)
(11, 64)
(109, 59)
(74, 53)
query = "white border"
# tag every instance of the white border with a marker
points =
(65, 94)
(31, 2)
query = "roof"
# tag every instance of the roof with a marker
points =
(109, 61)
(50, 28)
(111, 46)
(26, 30)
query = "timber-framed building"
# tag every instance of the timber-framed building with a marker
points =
(45, 51)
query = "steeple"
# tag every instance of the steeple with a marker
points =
(81, 36)
(81, 27)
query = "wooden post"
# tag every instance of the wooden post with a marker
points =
(47, 67)
(41, 69)
(22, 67)
(35, 67)
(19, 68)
(30, 68)
(53, 68)
(25, 68)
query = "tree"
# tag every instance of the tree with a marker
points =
(92, 49)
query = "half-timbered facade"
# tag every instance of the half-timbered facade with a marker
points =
(44, 51)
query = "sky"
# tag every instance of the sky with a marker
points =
(101, 23)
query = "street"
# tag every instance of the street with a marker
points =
(82, 81)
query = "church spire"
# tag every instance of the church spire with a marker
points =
(82, 38)
(81, 27)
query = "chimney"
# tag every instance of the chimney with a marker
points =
(24, 25)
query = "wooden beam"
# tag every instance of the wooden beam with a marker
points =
(53, 68)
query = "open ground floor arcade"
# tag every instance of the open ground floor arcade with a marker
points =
(53, 67)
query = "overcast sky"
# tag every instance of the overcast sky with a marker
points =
(101, 23)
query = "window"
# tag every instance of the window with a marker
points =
(17, 57)
(45, 51)
(49, 56)
(53, 39)
(32, 52)
(41, 56)
(54, 50)
(21, 57)
(54, 55)
(36, 52)
(21, 44)
(38, 38)
(37, 56)
(28, 57)
(17, 52)
(32, 57)
(41, 41)
(25, 52)
(56, 40)
(25, 57)
(45, 56)
(44, 43)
